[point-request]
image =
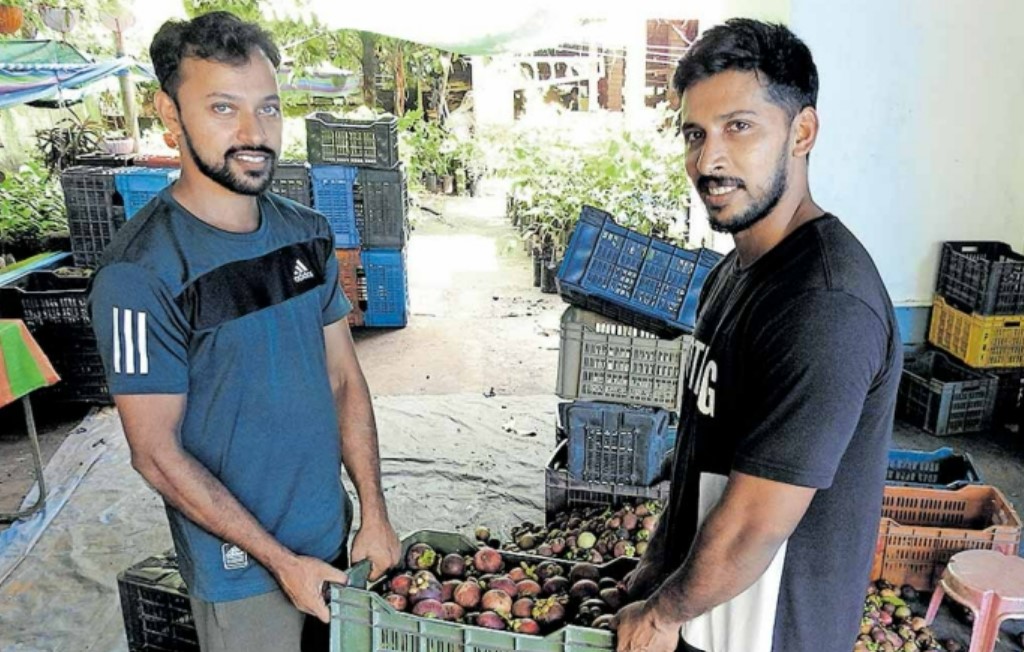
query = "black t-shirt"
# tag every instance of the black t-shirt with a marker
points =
(792, 377)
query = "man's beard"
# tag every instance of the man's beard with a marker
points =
(761, 207)
(250, 183)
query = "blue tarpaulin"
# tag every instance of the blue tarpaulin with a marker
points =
(40, 70)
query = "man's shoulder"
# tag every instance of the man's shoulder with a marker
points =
(148, 243)
(295, 216)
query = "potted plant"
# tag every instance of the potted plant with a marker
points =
(12, 16)
(61, 145)
(118, 143)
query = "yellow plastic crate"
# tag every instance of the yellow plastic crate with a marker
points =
(978, 340)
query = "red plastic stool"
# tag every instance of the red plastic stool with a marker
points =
(990, 584)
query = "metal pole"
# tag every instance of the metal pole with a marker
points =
(37, 460)
(127, 94)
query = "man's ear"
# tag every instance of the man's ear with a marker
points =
(806, 131)
(167, 109)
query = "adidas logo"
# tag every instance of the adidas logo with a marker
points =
(301, 272)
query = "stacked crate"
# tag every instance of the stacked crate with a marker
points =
(359, 184)
(621, 357)
(978, 322)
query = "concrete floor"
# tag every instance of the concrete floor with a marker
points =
(478, 325)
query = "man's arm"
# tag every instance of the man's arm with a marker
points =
(151, 423)
(376, 539)
(735, 545)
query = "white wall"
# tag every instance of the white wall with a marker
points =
(920, 105)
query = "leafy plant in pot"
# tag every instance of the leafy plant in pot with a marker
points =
(62, 144)
(117, 142)
(32, 212)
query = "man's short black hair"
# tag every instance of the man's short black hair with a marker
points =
(217, 36)
(781, 60)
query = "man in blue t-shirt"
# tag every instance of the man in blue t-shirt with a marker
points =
(223, 332)
(789, 385)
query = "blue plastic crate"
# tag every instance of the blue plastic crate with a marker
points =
(633, 278)
(940, 469)
(387, 288)
(614, 443)
(333, 196)
(137, 185)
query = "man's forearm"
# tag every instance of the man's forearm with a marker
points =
(359, 447)
(202, 498)
(725, 560)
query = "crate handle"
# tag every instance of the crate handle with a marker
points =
(359, 574)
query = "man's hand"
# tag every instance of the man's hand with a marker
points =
(377, 542)
(639, 629)
(302, 579)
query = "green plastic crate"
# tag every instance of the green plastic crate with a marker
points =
(363, 621)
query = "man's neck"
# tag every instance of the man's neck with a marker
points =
(764, 236)
(215, 204)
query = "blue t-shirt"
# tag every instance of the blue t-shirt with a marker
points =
(234, 321)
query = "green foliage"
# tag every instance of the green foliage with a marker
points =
(31, 205)
(61, 145)
(637, 176)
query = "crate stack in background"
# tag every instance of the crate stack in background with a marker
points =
(624, 341)
(972, 378)
(359, 184)
(99, 200)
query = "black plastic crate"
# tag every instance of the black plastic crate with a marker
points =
(944, 397)
(291, 180)
(562, 491)
(1008, 396)
(102, 159)
(382, 208)
(54, 308)
(940, 469)
(157, 612)
(95, 211)
(334, 140)
(984, 277)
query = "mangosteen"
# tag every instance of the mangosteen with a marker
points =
(400, 584)
(503, 583)
(526, 541)
(482, 533)
(498, 601)
(448, 589)
(584, 571)
(467, 595)
(490, 620)
(526, 626)
(522, 608)
(528, 588)
(555, 585)
(487, 560)
(428, 609)
(586, 540)
(584, 590)
(613, 597)
(453, 611)
(453, 565)
(548, 569)
(420, 556)
(399, 602)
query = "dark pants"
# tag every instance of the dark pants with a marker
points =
(686, 647)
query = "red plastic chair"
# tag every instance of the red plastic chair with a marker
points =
(990, 584)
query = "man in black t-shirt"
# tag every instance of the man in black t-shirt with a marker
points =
(790, 385)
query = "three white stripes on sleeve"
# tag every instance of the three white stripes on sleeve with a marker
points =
(130, 345)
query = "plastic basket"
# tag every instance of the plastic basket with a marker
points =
(350, 277)
(102, 159)
(922, 528)
(333, 197)
(600, 359)
(633, 278)
(984, 277)
(157, 612)
(361, 620)
(940, 469)
(387, 288)
(980, 341)
(944, 397)
(562, 491)
(138, 185)
(1008, 396)
(95, 211)
(291, 180)
(334, 140)
(382, 208)
(55, 311)
(616, 443)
